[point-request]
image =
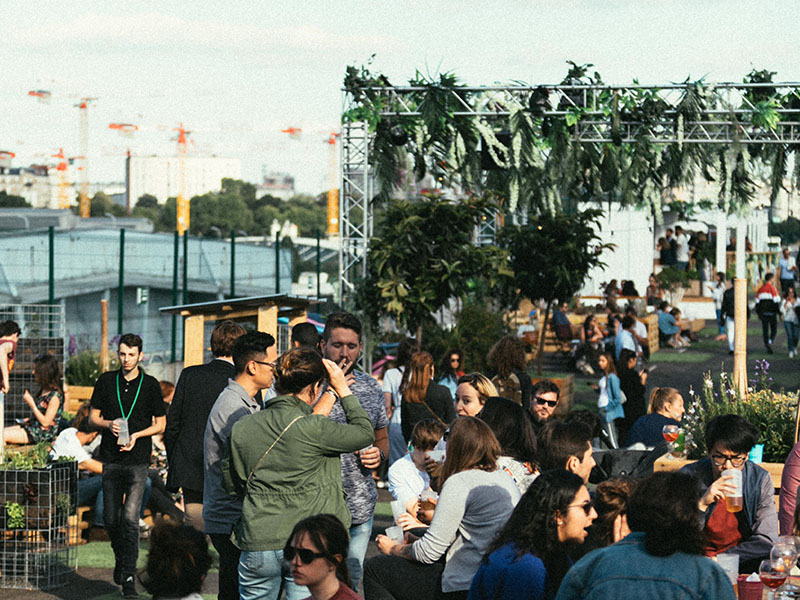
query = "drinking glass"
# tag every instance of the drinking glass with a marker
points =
(670, 433)
(773, 574)
(786, 550)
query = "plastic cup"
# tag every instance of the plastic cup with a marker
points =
(729, 564)
(734, 502)
(395, 534)
(437, 455)
(398, 508)
(123, 437)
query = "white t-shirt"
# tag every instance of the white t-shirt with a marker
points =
(391, 384)
(682, 253)
(67, 444)
(406, 481)
(602, 398)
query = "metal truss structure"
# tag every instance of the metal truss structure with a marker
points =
(727, 119)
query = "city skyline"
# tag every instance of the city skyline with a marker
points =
(236, 75)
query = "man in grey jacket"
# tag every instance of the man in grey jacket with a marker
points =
(254, 356)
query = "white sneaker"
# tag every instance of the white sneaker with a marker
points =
(791, 353)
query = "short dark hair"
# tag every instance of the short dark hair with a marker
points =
(630, 309)
(131, 340)
(344, 320)
(628, 321)
(224, 335)
(9, 328)
(427, 433)
(249, 346)
(297, 369)
(664, 507)
(545, 386)
(558, 442)
(768, 277)
(178, 560)
(663, 305)
(305, 334)
(733, 432)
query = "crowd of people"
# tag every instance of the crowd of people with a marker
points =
(275, 458)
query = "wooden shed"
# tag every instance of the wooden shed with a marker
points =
(265, 310)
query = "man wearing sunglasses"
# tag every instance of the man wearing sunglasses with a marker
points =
(254, 356)
(752, 531)
(544, 400)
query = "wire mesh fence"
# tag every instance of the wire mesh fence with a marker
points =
(37, 544)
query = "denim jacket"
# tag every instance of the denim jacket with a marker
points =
(627, 570)
(614, 408)
(759, 507)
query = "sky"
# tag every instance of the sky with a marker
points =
(236, 73)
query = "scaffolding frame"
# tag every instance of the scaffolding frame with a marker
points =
(729, 121)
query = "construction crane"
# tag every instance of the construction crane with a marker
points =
(63, 182)
(83, 166)
(333, 188)
(183, 216)
(124, 129)
(42, 96)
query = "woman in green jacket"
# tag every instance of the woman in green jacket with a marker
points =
(284, 462)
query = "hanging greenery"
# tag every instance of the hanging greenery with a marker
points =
(539, 163)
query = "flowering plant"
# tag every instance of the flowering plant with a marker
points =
(772, 412)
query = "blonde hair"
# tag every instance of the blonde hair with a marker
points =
(662, 396)
(481, 384)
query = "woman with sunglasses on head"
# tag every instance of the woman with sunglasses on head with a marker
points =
(422, 398)
(284, 461)
(475, 501)
(450, 369)
(530, 556)
(472, 391)
(47, 407)
(316, 551)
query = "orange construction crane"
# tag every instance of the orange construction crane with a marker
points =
(183, 216)
(124, 129)
(41, 95)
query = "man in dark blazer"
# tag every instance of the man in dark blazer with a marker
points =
(197, 389)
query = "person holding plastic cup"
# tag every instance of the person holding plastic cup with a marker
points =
(737, 504)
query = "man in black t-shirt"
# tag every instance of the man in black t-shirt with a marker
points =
(128, 404)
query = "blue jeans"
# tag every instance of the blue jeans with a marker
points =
(792, 333)
(397, 444)
(359, 540)
(123, 490)
(261, 575)
(720, 322)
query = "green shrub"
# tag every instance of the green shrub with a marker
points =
(772, 412)
(84, 367)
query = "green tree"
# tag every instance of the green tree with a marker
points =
(102, 205)
(11, 201)
(422, 256)
(551, 257)
(147, 201)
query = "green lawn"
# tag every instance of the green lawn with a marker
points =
(690, 356)
(99, 555)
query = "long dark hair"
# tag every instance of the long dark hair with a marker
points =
(177, 562)
(512, 426)
(445, 368)
(664, 507)
(330, 537)
(48, 374)
(533, 526)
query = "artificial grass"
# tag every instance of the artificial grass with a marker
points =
(383, 509)
(99, 555)
(680, 357)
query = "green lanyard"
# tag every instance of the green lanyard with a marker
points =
(135, 398)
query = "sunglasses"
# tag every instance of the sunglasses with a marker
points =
(542, 401)
(586, 506)
(306, 556)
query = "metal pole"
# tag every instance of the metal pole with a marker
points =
(233, 264)
(51, 275)
(175, 262)
(319, 261)
(185, 267)
(277, 262)
(121, 289)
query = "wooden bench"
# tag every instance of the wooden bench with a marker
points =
(775, 470)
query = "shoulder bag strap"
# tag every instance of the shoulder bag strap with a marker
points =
(437, 417)
(285, 429)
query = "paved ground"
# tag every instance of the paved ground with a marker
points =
(679, 370)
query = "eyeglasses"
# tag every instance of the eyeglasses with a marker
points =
(586, 506)
(720, 460)
(455, 360)
(542, 401)
(306, 556)
(261, 362)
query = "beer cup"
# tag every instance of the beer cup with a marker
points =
(734, 501)
(123, 437)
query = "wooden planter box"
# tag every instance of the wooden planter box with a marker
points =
(566, 397)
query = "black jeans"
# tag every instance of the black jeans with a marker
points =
(228, 566)
(395, 578)
(769, 328)
(123, 490)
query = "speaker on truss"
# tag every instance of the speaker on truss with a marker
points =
(487, 161)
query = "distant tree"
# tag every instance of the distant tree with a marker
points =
(147, 201)
(551, 257)
(102, 204)
(12, 201)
